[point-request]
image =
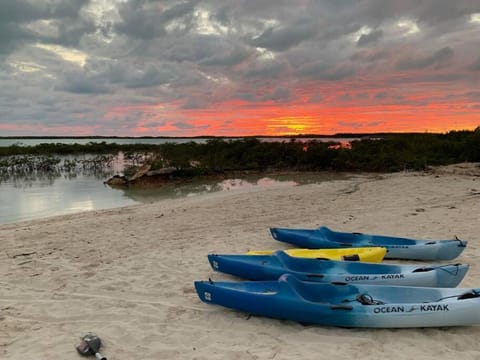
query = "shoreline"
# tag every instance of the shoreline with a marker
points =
(127, 273)
(87, 191)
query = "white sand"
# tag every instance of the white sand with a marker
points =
(127, 274)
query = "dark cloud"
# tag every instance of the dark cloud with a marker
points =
(183, 125)
(315, 99)
(381, 95)
(345, 97)
(280, 39)
(196, 54)
(475, 66)
(369, 56)
(78, 83)
(438, 59)
(196, 48)
(227, 57)
(359, 125)
(265, 69)
(17, 15)
(323, 71)
(370, 38)
(195, 103)
(473, 95)
(144, 19)
(278, 95)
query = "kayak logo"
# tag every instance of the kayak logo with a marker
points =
(388, 309)
(215, 264)
(368, 277)
(393, 276)
(401, 309)
(440, 307)
(429, 308)
(359, 278)
(207, 296)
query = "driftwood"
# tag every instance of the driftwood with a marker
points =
(140, 175)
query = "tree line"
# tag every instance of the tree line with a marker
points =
(377, 153)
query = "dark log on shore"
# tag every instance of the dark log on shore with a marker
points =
(143, 174)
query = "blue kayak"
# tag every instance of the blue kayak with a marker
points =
(271, 267)
(397, 248)
(346, 305)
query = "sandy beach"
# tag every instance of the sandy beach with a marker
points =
(127, 274)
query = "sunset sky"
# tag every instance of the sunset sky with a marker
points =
(238, 67)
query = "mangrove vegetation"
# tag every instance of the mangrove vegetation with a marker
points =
(377, 153)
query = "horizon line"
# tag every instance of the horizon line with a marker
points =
(226, 136)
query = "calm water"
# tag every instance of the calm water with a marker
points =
(81, 141)
(43, 196)
(27, 200)
(123, 141)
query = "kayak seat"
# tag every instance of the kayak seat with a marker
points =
(327, 294)
(353, 257)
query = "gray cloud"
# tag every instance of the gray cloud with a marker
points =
(280, 39)
(370, 38)
(183, 125)
(439, 58)
(17, 15)
(278, 95)
(323, 71)
(475, 66)
(78, 83)
(195, 54)
(315, 99)
(369, 56)
(227, 57)
(381, 95)
(359, 125)
(265, 69)
(147, 20)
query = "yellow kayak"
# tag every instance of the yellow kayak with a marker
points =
(365, 254)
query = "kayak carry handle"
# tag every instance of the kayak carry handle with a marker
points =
(469, 295)
(341, 307)
(423, 269)
(319, 276)
(460, 242)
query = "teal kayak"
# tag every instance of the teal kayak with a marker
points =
(346, 305)
(397, 247)
(271, 267)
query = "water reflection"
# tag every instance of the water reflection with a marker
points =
(76, 184)
(246, 183)
(201, 187)
(58, 196)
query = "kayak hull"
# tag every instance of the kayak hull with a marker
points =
(271, 267)
(397, 248)
(344, 305)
